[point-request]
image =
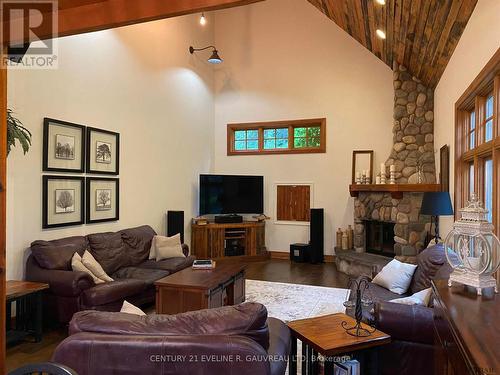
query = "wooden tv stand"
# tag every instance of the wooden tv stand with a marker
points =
(244, 241)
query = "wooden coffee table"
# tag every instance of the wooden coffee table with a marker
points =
(189, 289)
(324, 335)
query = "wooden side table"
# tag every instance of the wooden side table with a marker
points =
(28, 299)
(324, 335)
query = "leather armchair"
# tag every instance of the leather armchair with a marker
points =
(233, 339)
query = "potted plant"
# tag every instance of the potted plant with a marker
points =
(16, 130)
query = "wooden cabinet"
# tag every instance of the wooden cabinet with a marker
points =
(466, 333)
(213, 241)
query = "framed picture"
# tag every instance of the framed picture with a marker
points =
(63, 146)
(63, 201)
(362, 160)
(444, 168)
(103, 199)
(103, 151)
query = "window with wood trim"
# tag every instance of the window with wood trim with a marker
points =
(277, 137)
(477, 142)
(293, 202)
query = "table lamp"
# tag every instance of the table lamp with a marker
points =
(436, 204)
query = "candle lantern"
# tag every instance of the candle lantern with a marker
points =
(472, 249)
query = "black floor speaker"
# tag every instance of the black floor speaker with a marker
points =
(317, 236)
(175, 224)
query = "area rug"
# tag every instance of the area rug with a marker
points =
(295, 301)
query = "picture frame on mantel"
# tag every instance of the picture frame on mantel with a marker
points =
(103, 151)
(362, 160)
(444, 168)
(63, 146)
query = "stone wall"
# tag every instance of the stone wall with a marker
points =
(413, 138)
(413, 131)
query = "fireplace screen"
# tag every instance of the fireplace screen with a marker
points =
(380, 237)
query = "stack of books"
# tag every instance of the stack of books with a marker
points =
(202, 264)
(346, 368)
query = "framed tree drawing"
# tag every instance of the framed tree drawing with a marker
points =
(103, 151)
(62, 201)
(63, 146)
(103, 199)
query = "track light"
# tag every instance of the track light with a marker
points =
(213, 59)
(381, 2)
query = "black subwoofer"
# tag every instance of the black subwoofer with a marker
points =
(316, 233)
(175, 224)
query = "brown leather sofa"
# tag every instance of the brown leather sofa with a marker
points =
(123, 255)
(228, 340)
(410, 326)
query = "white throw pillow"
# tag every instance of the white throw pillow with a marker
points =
(128, 308)
(77, 265)
(420, 298)
(395, 276)
(89, 261)
(168, 247)
(152, 249)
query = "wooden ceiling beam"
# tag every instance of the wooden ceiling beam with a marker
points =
(83, 16)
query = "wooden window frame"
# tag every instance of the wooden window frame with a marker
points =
(474, 99)
(290, 124)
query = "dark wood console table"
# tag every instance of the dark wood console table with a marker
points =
(466, 330)
(237, 240)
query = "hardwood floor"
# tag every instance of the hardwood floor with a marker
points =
(324, 274)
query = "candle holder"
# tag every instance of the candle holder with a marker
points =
(392, 178)
(359, 329)
(383, 181)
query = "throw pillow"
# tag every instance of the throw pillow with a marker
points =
(89, 261)
(152, 250)
(168, 247)
(395, 276)
(420, 298)
(128, 308)
(77, 265)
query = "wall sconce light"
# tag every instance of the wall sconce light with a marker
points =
(203, 20)
(213, 59)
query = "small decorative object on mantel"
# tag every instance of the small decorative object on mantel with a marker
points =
(472, 249)
(359, 329)
(392, 176)
(382, 174)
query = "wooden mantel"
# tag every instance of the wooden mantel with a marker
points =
(396, 190)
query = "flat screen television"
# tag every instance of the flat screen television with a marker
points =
(227, 194)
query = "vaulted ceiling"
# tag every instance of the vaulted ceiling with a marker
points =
(420, 34)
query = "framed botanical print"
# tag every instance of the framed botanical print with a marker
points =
(63, 201)
(103, 151)
(103, 199)
(63, 146)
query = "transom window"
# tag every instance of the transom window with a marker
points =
(278, 137)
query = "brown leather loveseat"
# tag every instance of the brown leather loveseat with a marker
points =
(237, 339)
(124, 257)
(411, 350)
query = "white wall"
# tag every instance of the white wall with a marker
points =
(477, 45)
(140, 81)
(284, 59)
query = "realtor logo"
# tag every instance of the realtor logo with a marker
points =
(29, 29)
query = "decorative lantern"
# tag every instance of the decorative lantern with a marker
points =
(472, 249)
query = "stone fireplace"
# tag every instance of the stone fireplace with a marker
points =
(413, 149)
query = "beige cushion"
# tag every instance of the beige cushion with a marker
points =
(420, 298)
(152, 250)
(395, 276)
(77, 265)
(128, 308)
(168, 247)
(89, 261)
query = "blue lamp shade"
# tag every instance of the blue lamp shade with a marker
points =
(436, 204)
